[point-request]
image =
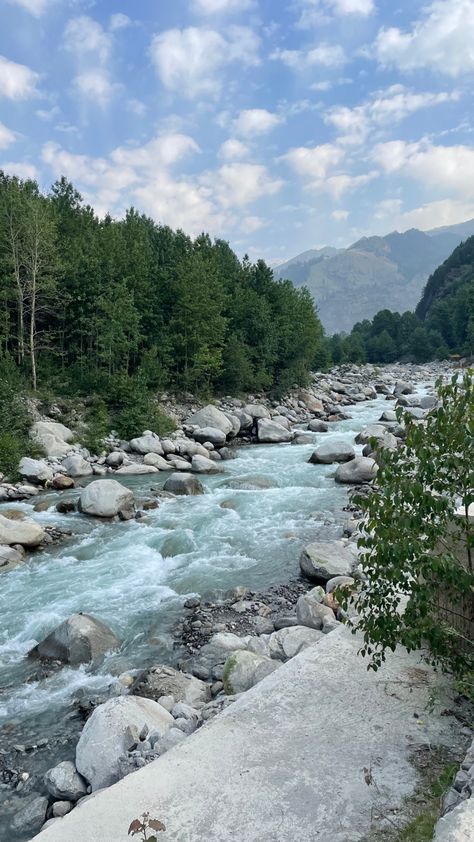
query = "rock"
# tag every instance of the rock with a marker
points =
(336, 450)
(177, 463)
(311, 612)
(183, 484)
(342, 582)
(373, 431)
(105, 498)
(25, 532)
(65, 506)
(76, 466)
(160, 681)
(61, 482)
(246, 421)
(35, 470)
(323, 560)
(302, 438)
(211, 416)
(147, 443)
(402, 388)
(64, 781)
(9, 558)
(201, 465)
(111, 731)
(170, 740)
(61, 809)
(311, 403)
(270, 432)
(243, 669)
(157, 461)
(235, 421)
(137, 468)
(256, 411)
(78, 640)
(388, 415)
(317, 426)
(361, 469)
(53, 437)
(458, 824)
(210, 434)
(115, 459)
(31, 815)
(288, 642)
(189, 448)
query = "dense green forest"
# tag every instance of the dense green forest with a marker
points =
(88, 304)
(443, 323)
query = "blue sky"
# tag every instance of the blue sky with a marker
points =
(279, 125)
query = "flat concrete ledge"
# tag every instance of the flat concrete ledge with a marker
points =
(320, 750)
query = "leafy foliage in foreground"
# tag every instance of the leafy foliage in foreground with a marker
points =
(418, 541)
(143, 825)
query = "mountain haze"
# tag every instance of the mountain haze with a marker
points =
(374, 273)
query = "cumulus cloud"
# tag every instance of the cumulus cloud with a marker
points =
(219, 7)
(441, 40)
(316, 12)
(255, 121)
(314, 162)
(17, 81)
(435, 214)
(340, 215)
(85, 36)
(34, 7)
(383, 109)
(96, 86)
(20, 168)
(250, 224)
(7, 137)
(232, 149)
(440, 168)
(119, 21)
(323, 55)
(191, 61)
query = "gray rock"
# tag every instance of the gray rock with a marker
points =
(402, 388)
(64, 781)
(105, 498)
(358, 470)
(183, 484)
(61, 809)
(111, 731)
(157, 461)
(270, 432)
(170, 740)
(339, 582)
(336, 450)
(373, 431)
(210, 434)
(241, 671)
(115, 459)
(35, 470)
(323, 560)
(53, 437)
(25, 532)
(288, 642)
(147, 443)
(311, 612)
(9, 558)
(136, 468)
(246, 421)
(76, 466)
(176, 686)
(458, 825)
(211, 416)
(32, 814)
(78, 640)
(317, 426)
(201, 465)
(256, 411)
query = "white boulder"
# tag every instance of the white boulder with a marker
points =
(53, 437)
(35, 470)
(25, 532)
(76, 466)
(270, 432)
(211, 416)
(105, 498)
(147, 443)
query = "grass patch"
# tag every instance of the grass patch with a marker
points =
(421, 829)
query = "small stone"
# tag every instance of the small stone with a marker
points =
(61, 808)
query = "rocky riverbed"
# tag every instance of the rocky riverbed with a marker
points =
(190, 557)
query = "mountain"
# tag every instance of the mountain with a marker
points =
(350, 285)
(450, 289)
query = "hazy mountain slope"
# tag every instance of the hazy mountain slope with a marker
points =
(372, 274)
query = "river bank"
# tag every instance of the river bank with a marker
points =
(247, 530)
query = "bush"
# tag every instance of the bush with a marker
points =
(415, 547)
(15, 422)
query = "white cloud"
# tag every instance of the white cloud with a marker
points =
(96, 86)
(191, 61)
(340, 215)
(218, 7)
(435, 214)
(163, 151)
(315, 162)
(232, 149)
(20, 169)
(439, 168)
(441, 40)
(17, 81)
(250, 224)
(84, 36)
(119, 21)
(383, 110)
(239, 184)
(323, 55)
(48, 114)
(317, 12)
(255, 121)
(7, 137)
(388, 208)
(339, 184)
(34, 7)
(136, 106)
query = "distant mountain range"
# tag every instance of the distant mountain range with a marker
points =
(352, 284)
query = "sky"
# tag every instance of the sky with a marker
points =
(278, 125)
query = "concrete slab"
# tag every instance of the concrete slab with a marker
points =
(319, 750)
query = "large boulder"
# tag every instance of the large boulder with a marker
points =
(317, 426)
(244, 669)
(201, 465)
(323, 560)
(256, 411)
(31, 816)
(270, 432)
(183, 484)
(137, 468)
(112, 730)
(358, 470)
(76, 466)
(373, 431)
(311, 612)
(53, 437)
(310, 401)
(402, 388)
(35, 470)
(211, 416)
(165, 681)
(289, 641)
(147, 443)
(235, 421)
(213, 435)
(9, 558)
(64, 782)
(25, 532)
(157, 461)
(78, 640)
(336, 450)
(105, 498)
(246, 421)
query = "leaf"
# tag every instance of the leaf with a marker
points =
(135, 827)
(156, 825)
